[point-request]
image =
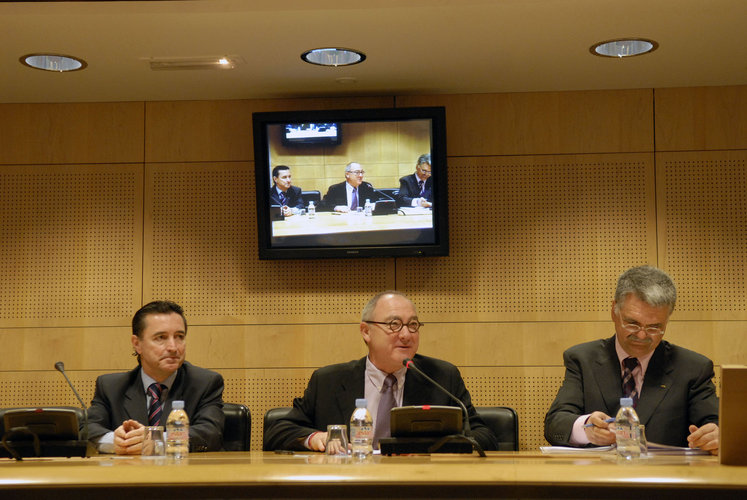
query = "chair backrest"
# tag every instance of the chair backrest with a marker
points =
(504, 422)
(237, 432)
(314, 196)
(271, 416)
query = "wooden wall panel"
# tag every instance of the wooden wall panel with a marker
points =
(179, 131)
(617, 121)
(703, 231)
(72, 238)
(701, 118)
(71, 133)
(537, 238)
(201, 251)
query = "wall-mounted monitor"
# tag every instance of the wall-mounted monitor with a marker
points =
(351, 183)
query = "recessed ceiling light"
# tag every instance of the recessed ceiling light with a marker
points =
(53, 62)
(331, 56)
(623, 47)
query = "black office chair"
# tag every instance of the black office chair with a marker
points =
(504, 422)
(314, 196)
(271, 416)
(237, 432)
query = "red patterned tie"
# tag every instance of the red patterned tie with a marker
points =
(628, 385)
(156, 406)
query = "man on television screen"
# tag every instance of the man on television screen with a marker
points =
(416, 190)
(283, 193)
(391, 330)
(352, 194)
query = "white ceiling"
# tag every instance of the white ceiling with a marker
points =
(412, 47)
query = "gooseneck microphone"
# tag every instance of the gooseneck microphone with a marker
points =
(466, 430)
(60, 367)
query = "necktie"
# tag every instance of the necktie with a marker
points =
(420, 185)
(354, 202)
(628, 385)
(282, 198)
(156, 405)
(386, 403)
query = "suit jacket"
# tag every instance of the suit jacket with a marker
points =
(408, 189)
(330, 399)
(337, 195)
(120, 396)
(293, 197)
(677, 391)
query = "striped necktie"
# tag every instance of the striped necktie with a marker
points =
(156, 405)
(628, 384)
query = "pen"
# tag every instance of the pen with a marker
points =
(608, 420)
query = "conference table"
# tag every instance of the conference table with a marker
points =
(313, 475)
(332, 228)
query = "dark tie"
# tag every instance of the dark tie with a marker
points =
(386, 403)
(420, 186)
(354, 202)
(628, 386)
(156, 405)
(282, 198)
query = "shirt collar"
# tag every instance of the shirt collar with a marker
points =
(621, 355)
(376, 376)
(147, 380)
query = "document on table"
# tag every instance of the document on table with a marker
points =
(570, 450)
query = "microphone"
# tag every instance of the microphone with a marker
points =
(382, 193)
(410, 364)
(60, 367)
(466, 430)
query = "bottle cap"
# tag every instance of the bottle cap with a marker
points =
(361, 403)
(626, 401)
(177, 405)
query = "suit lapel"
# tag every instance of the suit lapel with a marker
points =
(608, 376)
(351, 388)
(656, 383)
(134, 400)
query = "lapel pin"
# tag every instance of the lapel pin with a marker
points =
(663, 386)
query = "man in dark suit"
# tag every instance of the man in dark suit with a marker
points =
(416, 190)
(672, 387)
(283, 193)
(124, 403)
(348, 196)
(390, 328)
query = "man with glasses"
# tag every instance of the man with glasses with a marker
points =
(416, 190)
(671, 387)
(350, 195)
(391, 330)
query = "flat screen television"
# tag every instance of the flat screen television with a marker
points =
(345, 183)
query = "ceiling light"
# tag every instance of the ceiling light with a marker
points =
(159, 64)
(53, 62)
(333, 56)
(623, 47)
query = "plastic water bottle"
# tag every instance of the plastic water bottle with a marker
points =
(311, 210)
(368, 208)
(361, 431)
(626, 432)
(177, 432)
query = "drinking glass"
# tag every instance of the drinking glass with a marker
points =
(337, 440)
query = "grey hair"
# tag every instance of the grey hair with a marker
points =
(368, 309)
(426, 158)
(349, 166)
(650, 284)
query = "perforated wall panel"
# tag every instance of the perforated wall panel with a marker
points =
(201, 251)
(534, 235)
(704, 231)
(71, 243)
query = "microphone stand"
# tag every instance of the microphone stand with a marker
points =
(466, 434)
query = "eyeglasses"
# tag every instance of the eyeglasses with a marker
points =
(396, 325)
(650, 330)
(357, 172)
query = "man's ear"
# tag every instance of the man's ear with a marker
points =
(365, 332)
(136, 343)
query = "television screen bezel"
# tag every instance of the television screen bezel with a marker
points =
(437, 116)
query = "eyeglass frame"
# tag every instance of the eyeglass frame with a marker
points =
(648, 330)
(356, 172)
(402, 325)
